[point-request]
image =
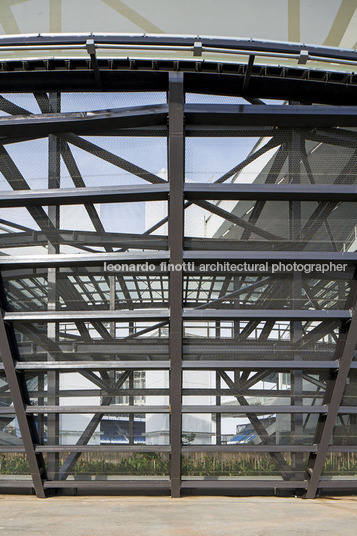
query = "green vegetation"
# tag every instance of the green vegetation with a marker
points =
(227, 465)
(149, 463)
(193, 464)
(14, 464)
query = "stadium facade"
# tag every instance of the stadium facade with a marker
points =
(178, 267)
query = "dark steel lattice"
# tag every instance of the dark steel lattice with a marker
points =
(195, 379)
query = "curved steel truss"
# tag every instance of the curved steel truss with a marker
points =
(178, 270)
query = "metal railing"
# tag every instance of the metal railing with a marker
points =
(300, 54)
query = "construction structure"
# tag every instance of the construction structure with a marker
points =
(178, 266)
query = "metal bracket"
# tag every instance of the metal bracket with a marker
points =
(91, 49)
(197, 48)
(303, 57)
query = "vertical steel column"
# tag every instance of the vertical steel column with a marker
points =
(296, 326)
(131, 415)
(176, 167)
(52, 328)
(334, 393)
(41, 402)
(131, 398)
(19, 394)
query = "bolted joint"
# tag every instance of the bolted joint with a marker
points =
(197, 48)
(303, 57)
(90, 46)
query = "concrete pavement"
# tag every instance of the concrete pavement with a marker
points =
(189, 516)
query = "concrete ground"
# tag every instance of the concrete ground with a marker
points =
(189, 516)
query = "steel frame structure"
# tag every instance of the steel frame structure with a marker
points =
(41, 293)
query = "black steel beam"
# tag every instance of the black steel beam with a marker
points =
(239, 447)
(259, 364)
(258, 484)
(54, 216)
(235, 409)
(102, 409)
(36, 464)
(273, 81)
(255, 314)
(97, 259)
(72, 260)
(164, 391)
(274, 115)
(72, 366)
(75, 196)
(271, 192)
(188, 364)
(42, 125)
(211, 120)
(339, 384)
(118, 485)
(159, 192)
(176, 168)
(253, 409)
(95, 315)
(103, 448)
(195, 114)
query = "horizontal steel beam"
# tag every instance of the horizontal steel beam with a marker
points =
(342, 448)
(259, 483)
(16, 484)
(7, 410)
(159, 192)
(277, 115)
(73, 366)
(238, 447)
(338, 484)
(271, 192)
(85, 393)
(120, 484)
(235, 409)
(139, 346)
(259, 365)
(12, 448)
(75, 196)
(161, 391)
(263, 314)
(270, 256)
(159, 346)
(78, 239)
(103, 448)
(267, 81)
(347, 410)
(98, 259)
(188, 314)
(264, 408)
(195, 114)
(96, 316)
(83, 259)
(226, 448)
(114, 409)
(83, 122)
